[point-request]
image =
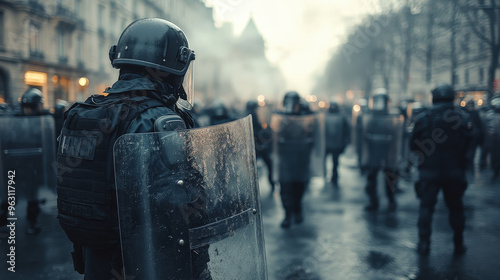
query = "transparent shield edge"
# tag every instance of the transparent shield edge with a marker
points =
(188, 86)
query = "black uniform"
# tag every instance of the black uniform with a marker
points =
(336, 141)
(132, 106)
(439, 142)
(155, 62)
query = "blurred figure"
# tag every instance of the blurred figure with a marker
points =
(477, 133)
(382, 136)
(359, 109)
(263, 140)
(219, 113)
(439, 143)
(58, 114)
(30, 155)
(417, 108)
(485, 114)
(294, 141)
(494, 137)
(337, 137)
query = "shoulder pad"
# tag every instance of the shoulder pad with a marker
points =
(169, 123)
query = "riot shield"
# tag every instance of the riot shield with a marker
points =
(298, 151)
(27, 146)
(381, 140)
(334, 130)
(188, 204)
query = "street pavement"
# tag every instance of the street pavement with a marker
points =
(337, 240)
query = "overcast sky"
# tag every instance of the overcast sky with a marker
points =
(300, 35)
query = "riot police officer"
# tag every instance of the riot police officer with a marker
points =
(477, 132)
(30, 155)
(293, 137)
(381, 136)
(263, 140)
(155, 80)
(58, 113)
(337, 133)
(439, 143)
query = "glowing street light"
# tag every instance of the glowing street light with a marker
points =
(83, 81)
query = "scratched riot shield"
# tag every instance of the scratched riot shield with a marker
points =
(381, 140)
(27, 146)
(188, 204)
(298, 147)
(334, 132)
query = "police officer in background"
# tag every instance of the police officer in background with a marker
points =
(439, 142)
(262, 139)
(477, 133)
(294, 140)
(381, 136)
(337, 133)
(58, 114)
(155, 65)
(33, 170)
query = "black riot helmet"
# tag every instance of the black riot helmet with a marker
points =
(334, 107)
(379, 102)
(158, 45)
(32, 102)
(291, 103)
(443, 93)
(252, 106)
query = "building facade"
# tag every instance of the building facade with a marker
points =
(61, 46)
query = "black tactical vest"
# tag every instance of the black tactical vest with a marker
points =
(86, 190)
(444, 140)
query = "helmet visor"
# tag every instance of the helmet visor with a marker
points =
(188, 88)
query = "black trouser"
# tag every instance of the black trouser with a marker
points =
(291, 197)
(335, 159)
(453, 190)
(371, 185)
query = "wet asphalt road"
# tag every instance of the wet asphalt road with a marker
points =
(338, 239)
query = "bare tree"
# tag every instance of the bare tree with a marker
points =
(484, 21)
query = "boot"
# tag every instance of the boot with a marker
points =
(424, 247)
(458, 240)
(287, 222)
